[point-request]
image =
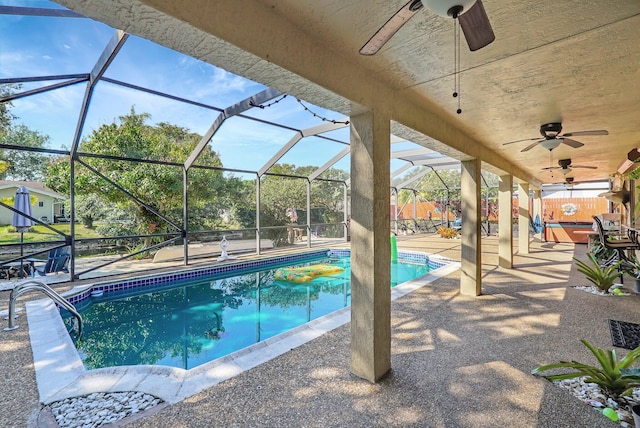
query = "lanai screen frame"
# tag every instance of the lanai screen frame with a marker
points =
(421, 156)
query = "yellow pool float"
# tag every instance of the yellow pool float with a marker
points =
(305, 274)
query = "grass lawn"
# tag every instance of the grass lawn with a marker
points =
(37, 233)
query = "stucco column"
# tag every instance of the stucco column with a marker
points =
(505, 221)
(471, 266)
(523, 218)
(537, 213)
(370, 248)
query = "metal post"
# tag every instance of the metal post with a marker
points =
(395, 210)
(72, 218)
(415, 209)
(448, 206)
(258, 214)
(346, 212)
(308, 213)
(185, 215)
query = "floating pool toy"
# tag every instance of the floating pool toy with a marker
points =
(305, 274)
(394, 249)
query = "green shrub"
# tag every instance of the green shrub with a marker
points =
(615, 378)
(601, 278)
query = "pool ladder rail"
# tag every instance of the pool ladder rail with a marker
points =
(33, 285)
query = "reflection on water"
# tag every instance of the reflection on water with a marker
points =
(189, 324)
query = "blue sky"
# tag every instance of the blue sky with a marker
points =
(44, 46)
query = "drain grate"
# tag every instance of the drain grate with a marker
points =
(624, 334)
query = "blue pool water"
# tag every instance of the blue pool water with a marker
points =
(188, 322)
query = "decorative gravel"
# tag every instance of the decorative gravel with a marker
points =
(100, 408)
(595, 290)
(591, 394)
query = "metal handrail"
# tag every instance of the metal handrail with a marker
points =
(33, 285)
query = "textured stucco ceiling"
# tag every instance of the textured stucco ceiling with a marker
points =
(574, 61)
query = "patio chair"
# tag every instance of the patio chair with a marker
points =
(618, 246)
(57, 261)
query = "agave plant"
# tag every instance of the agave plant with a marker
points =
(615, 378)
(601, 278)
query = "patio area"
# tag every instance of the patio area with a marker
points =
(456, 360)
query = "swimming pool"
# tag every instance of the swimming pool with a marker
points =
(60, 373)
(192, 319)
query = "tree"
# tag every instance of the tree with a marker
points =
(277, 194)
(280, 194)
(89, 208)
(22, 164)
(5, 108)
(157, 185)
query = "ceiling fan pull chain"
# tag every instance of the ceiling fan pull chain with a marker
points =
(456, 63)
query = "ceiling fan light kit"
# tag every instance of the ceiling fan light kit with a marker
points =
(552, 138)
(446, 8)
(550, 144)
(565, 166)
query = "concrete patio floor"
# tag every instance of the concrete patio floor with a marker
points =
(456, 360)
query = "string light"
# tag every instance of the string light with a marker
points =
(263, 106)
(307, 109)
(346, 122)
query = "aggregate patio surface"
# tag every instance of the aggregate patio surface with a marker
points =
(457, 361)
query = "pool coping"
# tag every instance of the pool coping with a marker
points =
(60, 373)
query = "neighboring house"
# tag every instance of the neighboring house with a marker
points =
(49, 204)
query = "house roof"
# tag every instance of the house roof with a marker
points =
(33, 186)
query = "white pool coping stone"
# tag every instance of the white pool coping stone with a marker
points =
(60, 373)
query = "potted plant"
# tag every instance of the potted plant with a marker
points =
(632, 268)
(602, 278)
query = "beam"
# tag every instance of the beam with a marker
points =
(315, 174)
(233, 110)
(320, 129)
(108, 55)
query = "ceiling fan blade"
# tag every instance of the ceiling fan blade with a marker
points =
(551, 168)
(583, 133)
(526, 149)
(391, 27)
(584, 166)
(524, 139)
(572, 143)
(476, 27)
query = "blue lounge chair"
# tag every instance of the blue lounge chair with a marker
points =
(58, 261)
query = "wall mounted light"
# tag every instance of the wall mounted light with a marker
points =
(632, 157)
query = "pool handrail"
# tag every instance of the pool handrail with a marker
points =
(33, 285)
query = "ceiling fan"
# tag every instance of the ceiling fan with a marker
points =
(566, 167)
(552, 137)
(470, 14)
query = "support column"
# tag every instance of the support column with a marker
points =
(471, 255)
(505, 221)
(370, 248)
(537, 214)
(523, 218)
